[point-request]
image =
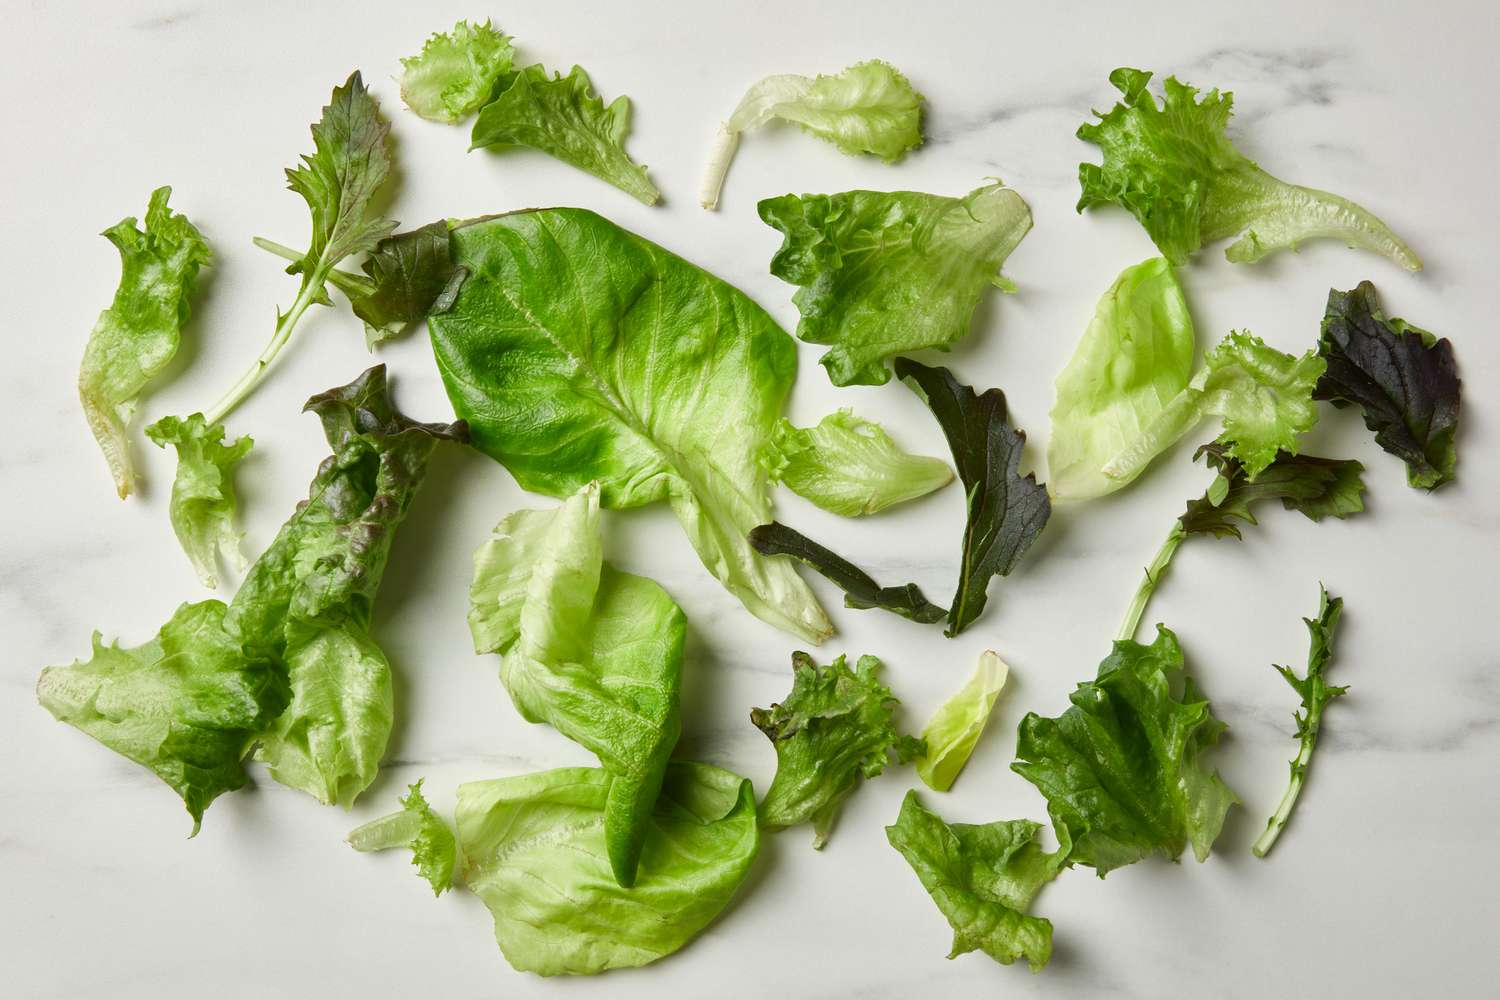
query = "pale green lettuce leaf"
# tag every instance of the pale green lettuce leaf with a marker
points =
(563, 117)
(1173, 167)
(433, 848)
(138, 334)
(1135, 357)
(888, 273)
(203, 499)
(849, 465)
(954, 729)
(868, 108)
(578, 351)
(594, 652)
(455, 73)
(533, 848)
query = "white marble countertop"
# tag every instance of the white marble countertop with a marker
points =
(1379, 888)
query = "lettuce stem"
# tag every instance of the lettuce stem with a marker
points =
(726, 141)
(1148, 585)
(398, 829)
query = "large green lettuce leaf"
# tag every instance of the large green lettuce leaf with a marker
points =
(1173, 167)
(592, 651)
(578, 351)
(849, 465)
(887, 273)
(1132, 361)
(533, 848)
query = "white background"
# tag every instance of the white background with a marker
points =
(1381, 887)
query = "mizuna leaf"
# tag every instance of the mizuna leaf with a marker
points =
(860, 589)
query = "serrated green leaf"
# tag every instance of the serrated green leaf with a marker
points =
(456, 71)
(203, 501)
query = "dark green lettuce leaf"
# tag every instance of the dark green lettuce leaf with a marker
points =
(1122, 769)
(860, 589)
(983, 878)
(835, 729)
(203, 499)
(411, 275)
(1312, 486)
(1006, 511)
(1404, 380)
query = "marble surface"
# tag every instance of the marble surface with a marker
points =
(1379, 889)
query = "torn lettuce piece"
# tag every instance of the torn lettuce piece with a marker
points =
(187, 704)
(1122, 769)
(1403, 379)
(983, 879)
(954, 729)
(868, 108)
(1263, 397)
(887, 273)
(456, 71)
(860, 589)
(533, 849)
(675, 405)
(203, 499)
(1133, 360)
(848, 465)
(835, 729)
(136, 337)
(1173, 167)
(594, 652)
(563, 117)
(416, 826)
(1006, 511)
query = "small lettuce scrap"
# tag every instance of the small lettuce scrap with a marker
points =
(954, 729)
(416, 826)
(869, 107)
(861, 591)
(848, 465)
(203, 501)
(592, 651)
(1122, 769)
(456, 71)
(1173, 167)
(887, 273)
(1133, 360)
(1403, 378)
(983, 878)
(136, 337)
(835, 729)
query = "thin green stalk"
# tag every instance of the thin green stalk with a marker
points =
(396, 830)
(1148, 585)
(1278, 820)
(351, 285)
(310, 292)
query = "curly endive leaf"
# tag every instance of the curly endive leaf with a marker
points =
(203, 499)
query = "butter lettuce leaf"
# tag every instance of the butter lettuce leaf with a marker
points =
(848, 465)
(578, 352)
(860, 589)
(1173, 167)
(203, 500)
(835, 729)
(136, 337)
(1122, 769)
(594, 652)
(870, 107)
(954, 729)
(533, 849)
(563, 117)
(1133, 360)
(982, 878)
(887, 273)
(187, 705)
(1403, 379)
(456, 71)
(434, 850)
(1006, 511)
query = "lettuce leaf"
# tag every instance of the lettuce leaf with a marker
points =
(136, 337)
(848, 465)
(1006, 511)
(954, 729)
(982, 878)
(887, 273)
(456, 72)
(562, 117)
(1403, 378)
(867, 108)
(592, 651)
(836, 728)
(203, 500)
(578, 351)
(1122, 769)
(1173, 167)
(416, 826)
(1135, 357)
(187, 704)
(860, 589)
(533, 850)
